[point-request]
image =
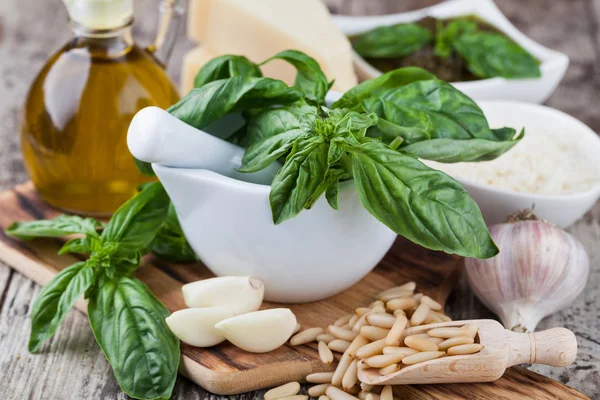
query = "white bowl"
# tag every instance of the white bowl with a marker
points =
(553, 64)
(496, 204)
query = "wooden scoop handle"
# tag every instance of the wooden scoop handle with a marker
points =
(556, 347)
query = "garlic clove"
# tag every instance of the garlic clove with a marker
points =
(196, 326)
(241, 294)
(260, 331)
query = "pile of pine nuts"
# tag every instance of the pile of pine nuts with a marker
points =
(370, 338)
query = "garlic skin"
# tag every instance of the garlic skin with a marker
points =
(241, 294)
(540, 269)
(196, 326)
(260, 331)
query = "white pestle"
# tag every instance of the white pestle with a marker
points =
(157, 137)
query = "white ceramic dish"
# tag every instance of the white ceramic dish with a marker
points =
(553, 63)
(563, 210)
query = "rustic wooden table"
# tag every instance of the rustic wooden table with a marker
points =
(73, 367)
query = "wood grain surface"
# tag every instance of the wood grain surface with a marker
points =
(71, 366)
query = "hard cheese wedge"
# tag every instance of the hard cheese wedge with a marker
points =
(259, 29)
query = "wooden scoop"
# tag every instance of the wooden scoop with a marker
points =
(503, 348)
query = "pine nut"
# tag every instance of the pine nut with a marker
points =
(395, 295)
(432, 304)
(455, 341)
(371, 349)
(436, 340)
(306, 336)
(295, 397)
(350, 377)
(420, 344)
(352, 321)
(325, 337)
(339, 345)
(396, 331)
(381, 320)
(325, 353)
(372, 396)
(318, 390)
(343, 320)
(473, 330)
(362, 321)
(406, 351)
(442, 316)
(386, 393)
(341, 333)
(464, 349)
(356, 344)
(338, 375)
(378, 310)
(377, 303)
(448, 332)
(390, 369)
(432, 319)
(365, 387)
(419, 315)
(421, 335)
(374, 333)
(362, 365)
(399, 312)
(338, 394)
(384, 360)
(297, 328)
(362, 311)
(421, 357)
(289, 389)
(324, 397)
(402, 303)
(320, 377)
(417, 297)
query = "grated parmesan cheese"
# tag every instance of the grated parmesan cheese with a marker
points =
(544, 162)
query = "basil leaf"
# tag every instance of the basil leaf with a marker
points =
(452, 151)
(394, 41)
(299, 178)
(272, 122)
(447, 35)
(77, 245)
(373, 87)
(343, 122)
(388, 132)
(143, 167)
(55, 300)
(224, 67)
(505, 133)
(135, 224)
(310, 79)
(490, 55)
(170, 243)
(59, 226)
(129, 325)
(207, 104)
(424, 205)
(434, 107)
(262, 154)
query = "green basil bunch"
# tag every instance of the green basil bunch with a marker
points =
(374, 135)
(127, 320)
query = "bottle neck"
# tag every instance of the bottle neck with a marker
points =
(104, 43)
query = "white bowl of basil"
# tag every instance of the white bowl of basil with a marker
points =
(469, 41)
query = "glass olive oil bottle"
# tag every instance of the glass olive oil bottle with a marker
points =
(76, 115)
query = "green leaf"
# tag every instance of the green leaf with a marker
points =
(207, 104)
(262, 154)
(129, 325)
(490, 55)
(144, 167)
(435, 108)
(447, 35)
(60, 226)
(394, 41)
(170, 243)
(397, 78)
(299, 178)
(452, 150)
(77, 245)
(224, 67)
(419, 203)
(310, 79)
(55, 300)
(343, 122)
(272, 122)
(135, 224)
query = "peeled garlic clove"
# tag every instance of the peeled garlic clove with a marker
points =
(241, 294)
(196, 326)
(540, 270)
(260, 331)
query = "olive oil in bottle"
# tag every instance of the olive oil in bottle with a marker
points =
(76, 115)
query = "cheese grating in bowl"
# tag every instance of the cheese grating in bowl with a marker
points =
(549, 162)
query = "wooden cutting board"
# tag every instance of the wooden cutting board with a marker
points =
(225, 369)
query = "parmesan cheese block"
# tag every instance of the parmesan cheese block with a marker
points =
(192, 62)
(260, 29)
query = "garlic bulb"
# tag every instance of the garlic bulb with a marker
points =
(540, 270)
(241, 294)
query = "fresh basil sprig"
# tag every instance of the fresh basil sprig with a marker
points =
(127, 320)
(392, 41)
